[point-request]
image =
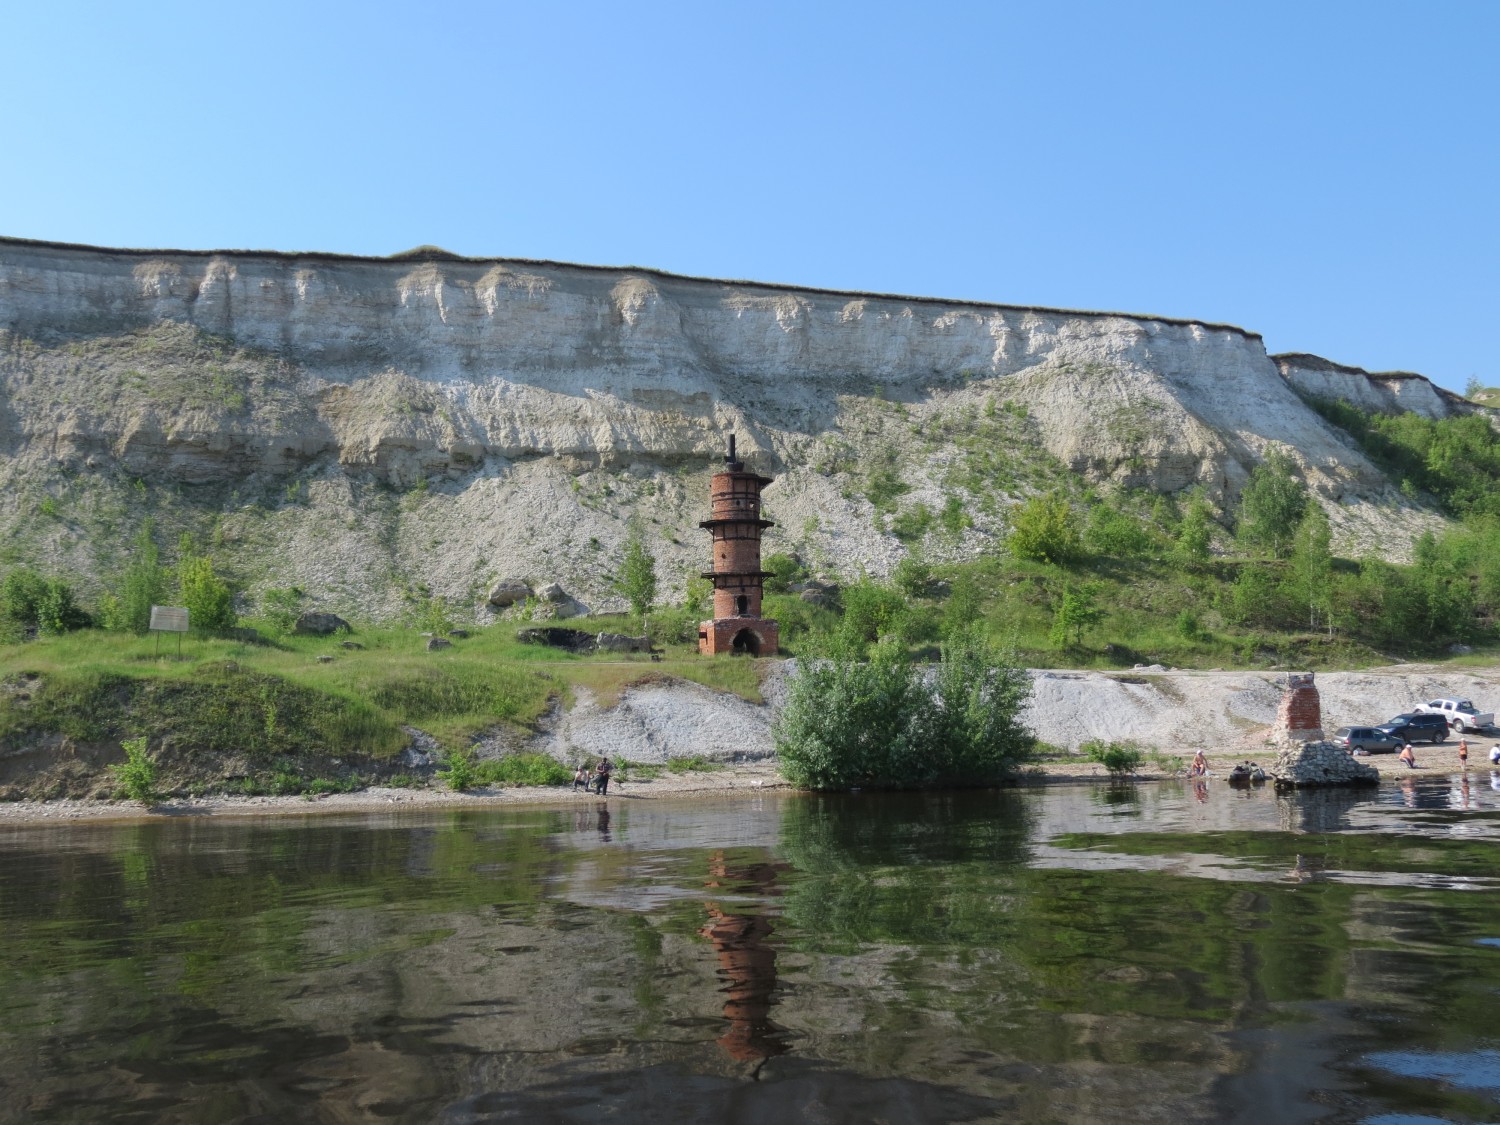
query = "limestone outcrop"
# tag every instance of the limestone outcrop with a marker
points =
(1388, 392)
(353, 426)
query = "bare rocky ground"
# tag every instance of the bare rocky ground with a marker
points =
(1175, 712)
(1227, 714)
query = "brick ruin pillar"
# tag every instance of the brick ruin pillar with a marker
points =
(735, 524)
(1300, 716)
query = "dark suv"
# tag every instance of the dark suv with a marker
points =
(1417, 728)
(1368, 739)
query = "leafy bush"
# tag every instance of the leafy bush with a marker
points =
(1121, 759)
(31, 604)
(522, 769)
(281, 607)
(871, 611)
(954, 517)
(1041, 530)
(912, 524)
(912, 576)
(1112, 533)
(457, 768)
(207, 597)
(979, 695)
(786, 571)
(849, 722)
(137, 774)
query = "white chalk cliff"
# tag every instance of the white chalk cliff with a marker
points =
(354, 424)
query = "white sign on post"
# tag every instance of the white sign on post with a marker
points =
(169, 619)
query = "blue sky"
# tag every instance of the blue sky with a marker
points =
(1326, 174)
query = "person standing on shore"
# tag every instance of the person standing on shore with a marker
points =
(1463, 753)
(1408, 757)
(601, 776)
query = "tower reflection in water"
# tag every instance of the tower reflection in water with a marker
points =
(747, 962)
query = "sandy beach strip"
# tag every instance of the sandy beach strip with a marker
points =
(740, 780)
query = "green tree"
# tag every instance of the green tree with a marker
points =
(207, 597)
(1194, 532)
(1077, 612)
(1272, 505)
(144, 584)
(1258, 598)
(637, 580)
(1042, 530)
(1312, 567)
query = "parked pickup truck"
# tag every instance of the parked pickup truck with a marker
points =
(1461, 714)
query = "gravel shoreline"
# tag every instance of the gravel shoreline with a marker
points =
(740, 780)
(743, 780)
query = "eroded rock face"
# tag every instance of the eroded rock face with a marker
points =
(335, 417)
(1389, 392)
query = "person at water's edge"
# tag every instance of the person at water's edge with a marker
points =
(581, 779)
(601, 776)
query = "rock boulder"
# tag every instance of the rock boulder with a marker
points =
(509, 591)
(572, 640)
(321, 624)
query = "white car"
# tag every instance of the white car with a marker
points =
(1461, 714)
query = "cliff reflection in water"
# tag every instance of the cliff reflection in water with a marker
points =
(747, 962)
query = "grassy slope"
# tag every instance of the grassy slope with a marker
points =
(229, 707)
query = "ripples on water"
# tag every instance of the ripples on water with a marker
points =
(1177, 952)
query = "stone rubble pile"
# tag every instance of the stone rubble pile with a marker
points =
(1301, 764)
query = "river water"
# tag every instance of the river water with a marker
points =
(1071, 954)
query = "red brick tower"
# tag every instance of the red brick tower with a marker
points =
(735, 525)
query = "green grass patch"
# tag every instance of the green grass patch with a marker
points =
(693, 764)
(523, 769)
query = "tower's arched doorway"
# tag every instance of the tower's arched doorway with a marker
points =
(745, 641)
